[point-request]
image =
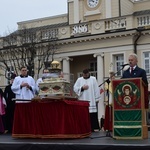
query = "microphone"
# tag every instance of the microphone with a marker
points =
(124, 65)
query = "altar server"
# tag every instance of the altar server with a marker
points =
(24, 86)
(40, 80)
(86, 87)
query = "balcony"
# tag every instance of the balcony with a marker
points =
(129, 22)
(115, 24)
(143, 21)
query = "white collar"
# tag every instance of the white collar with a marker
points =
(133, 67)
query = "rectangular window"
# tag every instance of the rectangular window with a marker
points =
(118, 61)
(93, 68)
(146, 56)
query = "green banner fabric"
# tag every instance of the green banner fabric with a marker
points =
(127, 123)
(128, 109)
(127, 115)
(128, 132)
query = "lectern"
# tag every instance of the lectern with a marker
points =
(129, 109)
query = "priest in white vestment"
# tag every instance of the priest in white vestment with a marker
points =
(87, 89)
(40, 80)
(24, 86)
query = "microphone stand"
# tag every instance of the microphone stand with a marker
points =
(108, 82)
(109, 117)
(114, 74)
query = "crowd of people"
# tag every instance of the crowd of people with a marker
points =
(23, 88)
(86, 87)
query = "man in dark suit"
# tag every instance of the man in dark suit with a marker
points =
(134, 71)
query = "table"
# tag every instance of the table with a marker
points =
(52, 119)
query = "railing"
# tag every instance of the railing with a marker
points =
(113, 24)
(143, 20)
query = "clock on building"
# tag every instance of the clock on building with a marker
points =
(92, 3)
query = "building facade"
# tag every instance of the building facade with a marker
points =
(98, 34)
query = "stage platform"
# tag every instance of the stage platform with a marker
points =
(97, 141)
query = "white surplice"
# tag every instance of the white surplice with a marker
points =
(92, 94)
(37, 84)
(23, 93)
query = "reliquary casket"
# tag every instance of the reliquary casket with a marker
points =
(55, 86)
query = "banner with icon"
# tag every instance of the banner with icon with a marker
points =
(127, 94)
(129, 119)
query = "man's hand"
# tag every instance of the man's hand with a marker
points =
(25, 85)
(85, 87)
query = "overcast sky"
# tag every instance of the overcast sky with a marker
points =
(13, 11)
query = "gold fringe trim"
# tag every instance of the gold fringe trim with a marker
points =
(58, 136)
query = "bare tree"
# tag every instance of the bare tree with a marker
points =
(23, 47)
